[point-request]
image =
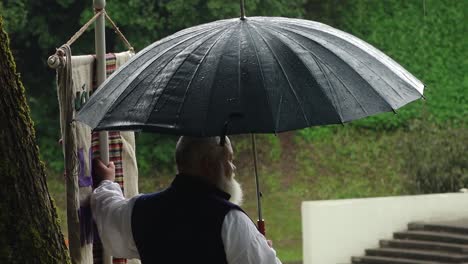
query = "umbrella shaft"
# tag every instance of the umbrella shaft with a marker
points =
(259, 203)
(242, 9)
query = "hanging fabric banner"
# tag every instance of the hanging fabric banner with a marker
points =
(121, 152)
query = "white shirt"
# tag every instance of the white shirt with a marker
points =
(243, 244)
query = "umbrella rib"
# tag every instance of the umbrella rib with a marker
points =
(146, 50)
(320, 66)
(287, 79)
(330, 86)
(196, 71)
(355, 42)
(383, 98)
(357, 58)
(178, 67)
(352, 55)
(136, 85)
(331, 70)
(263, 78)
(92, 102)
(347, 88)
(210, 99)
(153, 60)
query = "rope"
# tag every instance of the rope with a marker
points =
(119, 33)
(84, 28)
(65, 98)
(65, 84)
(58, 59)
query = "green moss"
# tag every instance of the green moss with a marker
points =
(5, 42)
(24, 110)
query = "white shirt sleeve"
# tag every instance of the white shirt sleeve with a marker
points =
(243, 243)
(113, 214)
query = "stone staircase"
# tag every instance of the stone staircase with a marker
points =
(423, 243)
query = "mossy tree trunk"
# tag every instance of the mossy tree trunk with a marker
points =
(29, 231)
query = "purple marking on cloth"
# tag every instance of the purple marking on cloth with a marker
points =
(83, 180)
(86, 225)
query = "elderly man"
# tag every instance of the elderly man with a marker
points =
(196, 220)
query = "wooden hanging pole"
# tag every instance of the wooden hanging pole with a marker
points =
(100, 44)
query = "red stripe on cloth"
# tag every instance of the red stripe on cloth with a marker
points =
(115, 155)
(111, 66)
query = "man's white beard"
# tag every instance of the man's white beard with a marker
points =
(232, 187)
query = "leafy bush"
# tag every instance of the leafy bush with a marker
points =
(436, 162)
(155, 153)
(51, 154)
(428, 39)
(312, 133)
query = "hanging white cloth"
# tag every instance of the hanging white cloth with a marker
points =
(122, 152)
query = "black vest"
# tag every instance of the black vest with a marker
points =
(181, 224)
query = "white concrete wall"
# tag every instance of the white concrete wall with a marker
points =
(335, 230)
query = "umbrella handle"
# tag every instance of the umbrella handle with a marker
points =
(261, 226)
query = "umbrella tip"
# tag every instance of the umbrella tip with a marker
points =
(242, 10)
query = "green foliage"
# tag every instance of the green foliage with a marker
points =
(436, 162)
(155, 153)
(144, 22)
(14, 13)
(313, 133)
(51, 154)
(428, 38)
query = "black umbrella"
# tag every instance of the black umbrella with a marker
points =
(259, 74)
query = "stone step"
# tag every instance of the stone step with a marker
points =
(432, 236)
(458, 227)
(387, 260)
(418, 254)
(425, 245)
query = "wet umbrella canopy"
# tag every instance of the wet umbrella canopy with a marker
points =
(274, 74)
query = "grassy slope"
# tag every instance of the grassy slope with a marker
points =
(346, 164)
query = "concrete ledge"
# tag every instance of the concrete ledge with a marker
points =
(335, 230)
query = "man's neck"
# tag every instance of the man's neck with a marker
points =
(196, 183)
(199, 175)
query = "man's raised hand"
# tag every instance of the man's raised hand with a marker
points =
(102, 172)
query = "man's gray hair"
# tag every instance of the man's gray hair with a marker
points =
(190, 151)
